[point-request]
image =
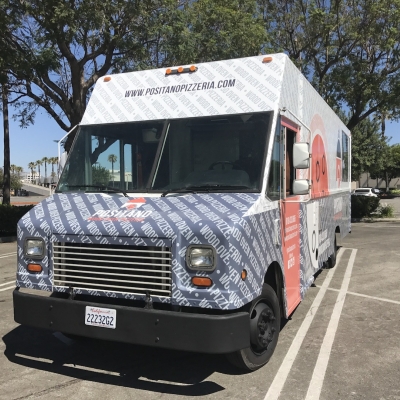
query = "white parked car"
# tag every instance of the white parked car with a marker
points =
(365, 192)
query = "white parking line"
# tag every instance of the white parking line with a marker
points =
(8, 255)
(8, 288)
(276, 387)
(366, 296)
(7, 283)
(317, 380)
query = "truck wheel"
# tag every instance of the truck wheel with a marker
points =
(332, 258)
(265, 322)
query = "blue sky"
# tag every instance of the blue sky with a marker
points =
(37, 141)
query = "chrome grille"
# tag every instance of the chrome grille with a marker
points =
(124, 269)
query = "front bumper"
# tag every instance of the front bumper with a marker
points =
(166, 329)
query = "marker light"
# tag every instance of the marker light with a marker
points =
(202, 281)
(107, 79)
(267, 59)
(34, 268)
(200, 258)
(180, 70)
(34, 248)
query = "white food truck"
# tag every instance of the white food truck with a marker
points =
(195, 207)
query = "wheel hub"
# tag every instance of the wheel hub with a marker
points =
(262, 327)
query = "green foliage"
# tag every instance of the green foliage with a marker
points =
(369, 148)
(16, 183)
(9, 217)
(67, 46)
(385, 211)
(390, 168)
(100, 175)
(349, 50)
(363, 206)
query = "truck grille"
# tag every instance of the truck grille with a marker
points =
(124, 269)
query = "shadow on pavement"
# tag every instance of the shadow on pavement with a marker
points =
(143, 368)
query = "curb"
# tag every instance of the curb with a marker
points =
(8, 239)
(375, 220)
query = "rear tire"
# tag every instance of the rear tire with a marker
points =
(264, 328)
(332, 258)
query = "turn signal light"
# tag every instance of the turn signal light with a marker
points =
(267, 59)
(107, 79)
(34, 268)
(202, 281)
(243, 275)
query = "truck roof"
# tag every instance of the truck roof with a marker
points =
(236, 86)
(242, 85)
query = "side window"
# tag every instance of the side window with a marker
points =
(345, 159)
(290, 173)
(275, 177)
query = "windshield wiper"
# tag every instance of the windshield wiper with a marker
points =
(203, 188)
(109, 188)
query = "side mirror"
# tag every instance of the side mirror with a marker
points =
(301, 186)
(301, 155)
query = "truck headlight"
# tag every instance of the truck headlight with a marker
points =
(34, 248)
(200, 258)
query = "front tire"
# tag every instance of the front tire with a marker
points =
(265, 322)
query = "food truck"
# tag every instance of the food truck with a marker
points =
(195, 207)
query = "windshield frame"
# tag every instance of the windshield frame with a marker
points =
(159, 152)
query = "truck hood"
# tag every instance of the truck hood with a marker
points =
(114, 216)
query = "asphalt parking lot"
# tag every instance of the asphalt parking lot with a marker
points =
(342, 342)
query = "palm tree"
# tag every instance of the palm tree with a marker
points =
(31, 166)
(19, 170)
(39, 163)
(45, 160)
(112, 158)
(13, 168)
(53, 161)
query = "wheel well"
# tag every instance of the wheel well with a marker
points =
(337, 230)
(273, 277)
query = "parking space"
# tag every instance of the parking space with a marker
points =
(342, 342)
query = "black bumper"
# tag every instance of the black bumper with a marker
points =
(166, 329)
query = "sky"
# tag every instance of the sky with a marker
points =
(37, 141)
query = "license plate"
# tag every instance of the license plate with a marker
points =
(101, 317)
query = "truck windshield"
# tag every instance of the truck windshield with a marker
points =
(214, 153)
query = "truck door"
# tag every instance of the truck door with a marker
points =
(280, 184)
(290, 211)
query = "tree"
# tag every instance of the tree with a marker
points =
(18, 171)
(9, 21)
(32, 166)
(209, 30)
(349, 50)
(39, 163)
(112, 158)
(70, 45)
(368, 148)
(53, 161)
(391, 166)
(45, 161)
(100, 175)
(15, 182)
